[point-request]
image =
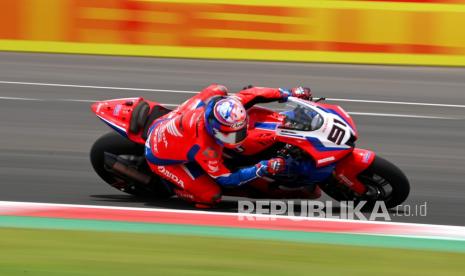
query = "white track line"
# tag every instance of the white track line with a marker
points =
(402, 115)
(195, 92)
(174, 105)
(62, 100)
(99, 87)
(393, 102)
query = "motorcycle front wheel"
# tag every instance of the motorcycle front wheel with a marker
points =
(384, 181)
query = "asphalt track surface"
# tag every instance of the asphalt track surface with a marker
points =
(47, 130)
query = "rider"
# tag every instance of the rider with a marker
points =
(189, 141)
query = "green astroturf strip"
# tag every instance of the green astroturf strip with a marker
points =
(257, 234)
(45, 252)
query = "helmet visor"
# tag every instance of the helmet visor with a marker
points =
(231, 138)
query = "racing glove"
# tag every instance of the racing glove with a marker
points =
(298, 92)
(270, 167)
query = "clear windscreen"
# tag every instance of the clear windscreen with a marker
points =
(301, 117)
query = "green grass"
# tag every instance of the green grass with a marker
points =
(66, 252)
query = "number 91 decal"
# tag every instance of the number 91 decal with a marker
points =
(337, 133)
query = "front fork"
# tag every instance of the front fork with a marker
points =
(348, 169)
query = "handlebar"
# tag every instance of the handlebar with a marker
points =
(318, 99)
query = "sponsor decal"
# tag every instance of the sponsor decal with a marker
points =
(210, 153)
(238, 124)
(345, 180)
(366, 157)
(174, 178)
(184, 194)
(155, 147)
(155, 135)
(325, 126)
(160, 137)
(213, 166)
(117, 110)
(337, 133)
(324, 160)
(163, 138)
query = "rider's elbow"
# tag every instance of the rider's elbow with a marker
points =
(226, 181)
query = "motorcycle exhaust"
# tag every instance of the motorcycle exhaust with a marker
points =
(119, 165)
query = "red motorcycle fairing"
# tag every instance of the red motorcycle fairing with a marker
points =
(261, 130)
(335, 109)
(351, 166)
(350, 161)
(117, 114)
(263, 123)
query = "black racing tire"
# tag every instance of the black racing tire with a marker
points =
(394, 176)
(116, 144)
(381, 170)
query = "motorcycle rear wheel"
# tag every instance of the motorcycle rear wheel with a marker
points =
(118, 145)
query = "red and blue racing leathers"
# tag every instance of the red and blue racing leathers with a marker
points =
(180, 149)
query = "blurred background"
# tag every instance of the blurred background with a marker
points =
(410, 32)
(396, 66)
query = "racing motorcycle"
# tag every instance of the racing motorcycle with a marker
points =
(310, 132)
